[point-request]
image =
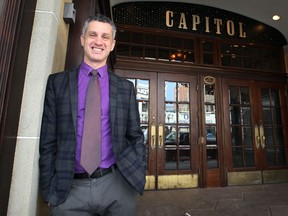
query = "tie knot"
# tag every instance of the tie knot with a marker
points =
(94, 73)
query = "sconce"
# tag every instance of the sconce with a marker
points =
(179, 55)
(69, 15)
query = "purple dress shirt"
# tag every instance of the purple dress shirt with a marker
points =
(83, 80)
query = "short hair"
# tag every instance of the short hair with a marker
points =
(99, 18)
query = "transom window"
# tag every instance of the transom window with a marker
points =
(207, 52)
(155, 47)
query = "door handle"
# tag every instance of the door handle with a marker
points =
(160, 135)
(257, 137)
(262, 136)
(153, 136)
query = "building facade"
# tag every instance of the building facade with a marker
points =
(211, 89)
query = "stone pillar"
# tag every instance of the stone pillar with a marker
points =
(48, 42)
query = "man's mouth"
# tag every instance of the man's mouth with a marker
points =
(97, 49)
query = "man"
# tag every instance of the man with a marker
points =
(66, 184)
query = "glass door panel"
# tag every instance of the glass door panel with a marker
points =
(142, 88)
(177, 112)
(177, 126)
(166, 111)
(256, 136)
(210, 122)
(273, 136)
(241, 127)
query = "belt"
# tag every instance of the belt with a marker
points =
(98, 173)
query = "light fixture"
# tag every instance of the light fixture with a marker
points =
(276, 17)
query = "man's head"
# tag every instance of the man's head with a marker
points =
(98, 40)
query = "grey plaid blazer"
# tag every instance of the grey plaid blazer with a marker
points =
(58, 134)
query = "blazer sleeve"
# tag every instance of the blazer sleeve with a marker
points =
(47, 146)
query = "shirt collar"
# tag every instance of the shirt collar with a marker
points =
(85, 69)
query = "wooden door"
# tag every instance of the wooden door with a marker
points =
(255, 132)
(168, 113)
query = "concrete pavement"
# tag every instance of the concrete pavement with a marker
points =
(256, 200)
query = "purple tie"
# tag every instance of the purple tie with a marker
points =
(91, 143)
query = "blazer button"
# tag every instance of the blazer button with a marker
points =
(73, 155)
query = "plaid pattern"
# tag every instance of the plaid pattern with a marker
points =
(58, 134)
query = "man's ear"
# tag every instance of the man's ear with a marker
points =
(82, 40)
(113, 45)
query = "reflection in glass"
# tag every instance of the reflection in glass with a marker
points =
(177, 126)
(210, 114)
(267, 115)
(142, 89)
(184, 159)
(184, 136)
(273, 127)
(183, 113)
(234, 97)
(170, 134)
(183, 92)
(237, 157)
(249, 157)
(247, 134)
(142, 95)
(211, 146)
(268, 131)
(279, 136)
(281, 156)
(271, 156)
(236, 136)
(245, 99)
(210, 107)
(171, 159)
(143, 107)
(277, 116)
(275, 97)
(170, 91)
(241, 127)
(235, 115)
(246, 115)
(210, 120)
(170, 113)
(209, 96)
(265, 97)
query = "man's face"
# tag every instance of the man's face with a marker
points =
(97, 43)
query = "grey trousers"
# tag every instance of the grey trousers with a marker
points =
(110, 195)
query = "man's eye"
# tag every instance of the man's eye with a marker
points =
(92, 35)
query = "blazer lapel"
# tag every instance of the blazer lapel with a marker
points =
(113, 97)
(73, 89)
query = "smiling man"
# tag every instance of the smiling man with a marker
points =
(72, 182)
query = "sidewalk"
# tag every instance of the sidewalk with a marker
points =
(256, 200)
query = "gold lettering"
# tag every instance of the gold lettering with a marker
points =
(241, 31)
(230, 28)
(196, 21)
(169, 18)
(218, 23)
(207, 27)
(182, 23)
